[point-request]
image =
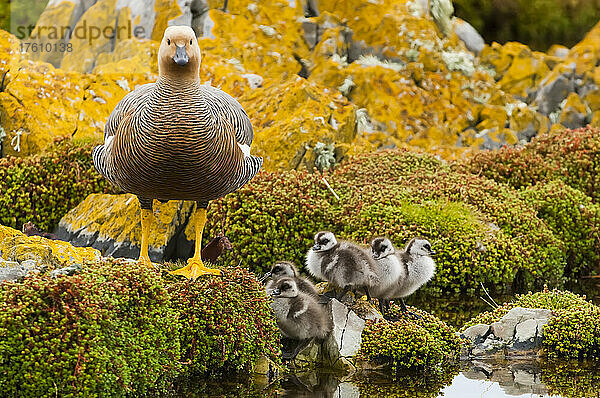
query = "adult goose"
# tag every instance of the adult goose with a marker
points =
(177, 139)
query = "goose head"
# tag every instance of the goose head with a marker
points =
(179, 53)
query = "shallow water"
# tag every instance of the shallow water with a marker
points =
(472, 379)
(477, 379)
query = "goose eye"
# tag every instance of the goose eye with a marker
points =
(169, 42)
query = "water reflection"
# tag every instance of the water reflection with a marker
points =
(513, 377)
(487, 379)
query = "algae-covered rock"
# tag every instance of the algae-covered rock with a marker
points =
(111, 224)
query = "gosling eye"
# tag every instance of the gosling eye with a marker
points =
(427, 246)
(277, 269)
(285, 287)
(325, 241)
(169, 42)
(190, 42)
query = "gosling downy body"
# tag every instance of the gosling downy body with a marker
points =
(345, 265)
(413, 266)
(388, 270)
(177, 139)
(299, 315)
(287, 269)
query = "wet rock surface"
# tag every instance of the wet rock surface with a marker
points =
(518, 333)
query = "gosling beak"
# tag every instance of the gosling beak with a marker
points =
(375, 256)
(275, 292)
(316, 247)
(432, 252)
(265, 276)
(181, 58)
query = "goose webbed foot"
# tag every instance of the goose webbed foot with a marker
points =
(194, 269)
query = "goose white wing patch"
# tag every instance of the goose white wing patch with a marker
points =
(245, 149)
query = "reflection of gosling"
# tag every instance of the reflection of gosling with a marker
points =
(344, 264)
(299, 315)
(413, 268)
(283, 269)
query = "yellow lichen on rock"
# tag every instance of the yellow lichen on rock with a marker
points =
(520, 68)
(16, 246)
(574, 112)
(293, 116)
(40, 103)
(53, 28)
(165, 10)
(260, 43)
(85, 48)
(113, 221)
(10, 52)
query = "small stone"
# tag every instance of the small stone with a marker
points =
(254, 80)
(468, 35)
(552, 93)
(70, 270)
(477, 332)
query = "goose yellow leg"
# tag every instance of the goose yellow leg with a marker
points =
(146, 221)
(195, 267)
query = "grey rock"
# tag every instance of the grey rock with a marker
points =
(526, 330)
(552, 93)
(527, 134)
(490, 143)
(477, 332)
(518, 333)
(70, 270)
(347, 329)
(12, 271)
(311, 35)
(490, 347)
(468, 35)
(505, 328)
(573, 119)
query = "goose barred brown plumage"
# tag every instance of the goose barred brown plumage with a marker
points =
(177, 139)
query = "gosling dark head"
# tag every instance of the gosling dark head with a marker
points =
(419, 247)
(324, 241)
(381, 247)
